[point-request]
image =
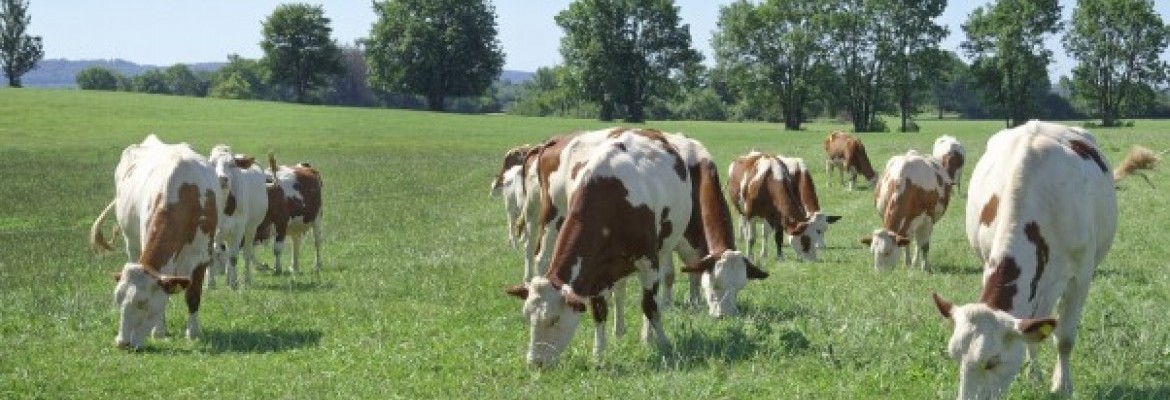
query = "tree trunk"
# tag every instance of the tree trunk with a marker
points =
(606, 113)
(14, 80)
(636, 113)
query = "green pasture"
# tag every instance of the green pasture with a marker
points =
(410, 302)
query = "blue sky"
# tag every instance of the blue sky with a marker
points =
(166, 32)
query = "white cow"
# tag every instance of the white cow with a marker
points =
(911, 196)
(949, 152)
(1041, 215)
(246, 205)
(167, 209)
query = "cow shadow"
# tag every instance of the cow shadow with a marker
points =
(1130, 392)
(262, 341)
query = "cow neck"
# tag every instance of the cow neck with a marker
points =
(714, 214)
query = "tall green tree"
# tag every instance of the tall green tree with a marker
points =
(914, 35)
(1118, 46)
(240, 78)
(859, 37)
(299, 51)
(768, 52)
(97, 78)
(19, 51)
(626, 54)
(434, 48)
(1009, 59)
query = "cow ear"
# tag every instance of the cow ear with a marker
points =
(867, 240)
(901, 241)
(172, 284)
(1035, 330)
(754, 272)
(704, 265)
(520, 291)
(944, 307)
(798, 229)
(833, 218)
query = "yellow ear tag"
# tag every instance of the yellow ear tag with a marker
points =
(1046, 329)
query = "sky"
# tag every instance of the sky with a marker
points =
(164, 33)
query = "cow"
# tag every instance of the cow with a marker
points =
(245, 208)
(762, 189)
(911, 196)
(627, 213)
(844, 152)
(509, 184)
(1041, 215)
(708, 246)
(818, 220)
(300, 185)
(949, 152)
(167, 208)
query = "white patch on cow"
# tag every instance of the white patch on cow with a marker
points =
(237, 231)
(722, 284)
(551, 322)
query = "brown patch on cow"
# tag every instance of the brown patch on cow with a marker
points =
(807, 191)
(665, 227)
(1032, 232)
(617, 132)
(772, 198)
(598, 309)
(1000, 286)
(987, 215)
(513, 157)
(243, 161)
(710, 228)
(210, 218)
(605, 259)
(952, 162)
(275, 223)
(307, 182)
(1087, 151)
(913, 200)
(175, 224)
(576, 169)
(230, 207)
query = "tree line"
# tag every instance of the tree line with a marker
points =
(788, 61)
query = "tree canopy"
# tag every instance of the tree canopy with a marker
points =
(435, 48)
(19, 51)
(298, 49)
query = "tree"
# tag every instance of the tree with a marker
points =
(434, 48)
(1118, 44)
(861, 51)
(1010, 61)
(768, 53)
(181, 81)
(240, 78)
(97, 78)
(626, 53)
(914, 36)
(19, 52)
(298, 50)
(350, 87)
(152, 81)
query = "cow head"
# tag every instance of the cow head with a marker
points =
(802, 238)
(885, 246)
(223, 161)
(553, 316)
(989, 345)
(818, 224)
(141, 296)
(724, 275)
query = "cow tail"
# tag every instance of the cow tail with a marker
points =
(272, 164)
(97, 240)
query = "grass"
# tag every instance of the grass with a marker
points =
(410, 301)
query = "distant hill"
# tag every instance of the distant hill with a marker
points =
(61, 73)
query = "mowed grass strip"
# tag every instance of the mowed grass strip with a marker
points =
(409, 303)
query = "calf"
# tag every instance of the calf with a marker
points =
(845, 152)
(245, 208)
(762, 189)
(911, 197)
(1041, 215)
(509, 184)
(167, 209)
(949, 152)
(300, 185)
(626, 214)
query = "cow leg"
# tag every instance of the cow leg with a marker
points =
(619, 301)
(829, 172)
(921, 257)
(749, 234)
(249, 254)
(651, 315)
(597, 306)
(1072, 304)
(233, 258)
(277, 250)
(778, 237)
(852, 177)
(297, 241)
(194, 296)
(666, 295)
(317, 246)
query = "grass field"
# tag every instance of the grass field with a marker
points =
(410, 301)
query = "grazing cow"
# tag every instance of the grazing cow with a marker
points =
(911, 196)
(627, 213)
(245, 208)
(708, 246)
(1041, 215)
(845, 152)
(818, 220)
(167, 209)
(762, 188)
(949, 152)
(509, 183)
(300, 185)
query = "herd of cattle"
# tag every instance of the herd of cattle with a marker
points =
(184, 216)
(592, 208)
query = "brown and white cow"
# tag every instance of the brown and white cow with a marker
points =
(708, 246)
(950, 153)
(167, 208)
(509, 184)
(762, 189)
(911, 196)
(626, 214)
(846, 152)
(245, 208)
(1041, 215)
(300, 185)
